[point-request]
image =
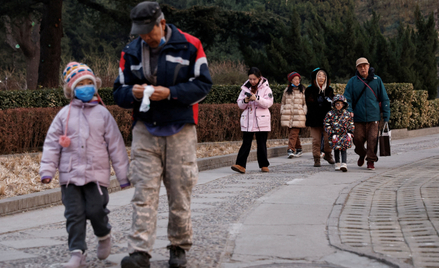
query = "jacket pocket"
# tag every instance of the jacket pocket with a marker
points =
(244, 120)
(98, 156)
(263, 121)
(66, 163)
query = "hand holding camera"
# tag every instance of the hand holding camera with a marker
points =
(249, 97)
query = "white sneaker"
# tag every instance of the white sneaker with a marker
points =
(322, 154)
(337, 166)
(344, 167)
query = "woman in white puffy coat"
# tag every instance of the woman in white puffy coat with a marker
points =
(293, 113)
(255, 99)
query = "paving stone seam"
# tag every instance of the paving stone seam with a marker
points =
(404, 189)
(333, 233)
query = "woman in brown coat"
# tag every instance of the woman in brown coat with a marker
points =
(293, 113)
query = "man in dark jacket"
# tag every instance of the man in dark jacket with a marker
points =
(364, 93)
(163, 75)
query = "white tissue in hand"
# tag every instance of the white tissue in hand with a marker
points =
(144, 107)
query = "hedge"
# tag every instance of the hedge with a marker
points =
(24, 129)
(409, 108)
(219, 94)
(11, 99)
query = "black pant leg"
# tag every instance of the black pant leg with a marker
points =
(344, 156)
(337, 156)
(261, 140)
(74, 203)
(247, 138)
(96, 208)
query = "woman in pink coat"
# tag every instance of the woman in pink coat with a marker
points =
(255, 99)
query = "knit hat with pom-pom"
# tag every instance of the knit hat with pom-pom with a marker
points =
(73, 74)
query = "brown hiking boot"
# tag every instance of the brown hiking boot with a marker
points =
(317, 162)
(238, 168)
(265, 169)
(328, 157)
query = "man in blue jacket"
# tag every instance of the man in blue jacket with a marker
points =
(166, 68)
(364, 93)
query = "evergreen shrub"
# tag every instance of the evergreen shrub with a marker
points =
(409, 108)
(420, 108)
(219, 94)
(11, 99)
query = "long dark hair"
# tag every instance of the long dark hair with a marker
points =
(290, 89)
(258, 74)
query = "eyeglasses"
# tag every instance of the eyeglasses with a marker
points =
(338, 104)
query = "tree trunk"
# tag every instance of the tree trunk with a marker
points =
(50, 42)
(32, 71)
(26, 34)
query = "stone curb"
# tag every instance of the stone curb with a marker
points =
(52, 197)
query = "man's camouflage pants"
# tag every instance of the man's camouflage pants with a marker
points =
(174, 160)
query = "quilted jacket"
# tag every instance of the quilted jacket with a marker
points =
(293, 108)
(95, 139)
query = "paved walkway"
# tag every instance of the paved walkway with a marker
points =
(294, 216)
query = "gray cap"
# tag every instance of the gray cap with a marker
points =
(144, 16)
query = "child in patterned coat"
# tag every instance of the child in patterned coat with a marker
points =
(339, 125)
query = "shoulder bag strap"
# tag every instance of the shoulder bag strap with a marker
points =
(359, 96)
(369, 88)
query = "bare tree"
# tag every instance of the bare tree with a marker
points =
(50, 41)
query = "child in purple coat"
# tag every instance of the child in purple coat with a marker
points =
(80, 143)
(339, 125)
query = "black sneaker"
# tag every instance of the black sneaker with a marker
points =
(177, 257)
(298, 153)
(137, 259)
(290, 153)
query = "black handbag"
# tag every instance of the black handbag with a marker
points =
(384, 140)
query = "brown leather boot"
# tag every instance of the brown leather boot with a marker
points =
(317, 162)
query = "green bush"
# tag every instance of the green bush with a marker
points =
(43, 98)
(338, 88)
(420, 108)
(400, 91)
(400, 114)
(409, 108)
(219, 94)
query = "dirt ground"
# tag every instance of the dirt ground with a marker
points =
(19, 174)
